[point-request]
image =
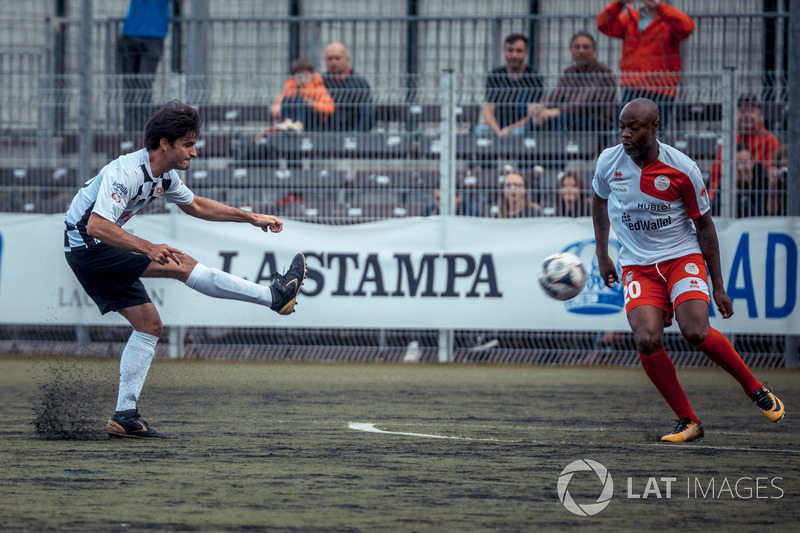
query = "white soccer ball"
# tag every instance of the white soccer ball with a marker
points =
(563, 276)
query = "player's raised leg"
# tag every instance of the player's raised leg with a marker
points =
(280, 295)
(692, 317)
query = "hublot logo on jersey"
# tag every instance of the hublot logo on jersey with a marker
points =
(120, 187)
(652, 207)
(646, 225)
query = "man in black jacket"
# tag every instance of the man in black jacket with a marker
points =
(350, 92)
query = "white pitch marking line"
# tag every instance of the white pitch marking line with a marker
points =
(370, 428)
(550, 428)
(730, 448)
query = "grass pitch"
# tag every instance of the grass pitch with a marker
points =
(293, 447)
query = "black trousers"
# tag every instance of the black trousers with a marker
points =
(138, 61)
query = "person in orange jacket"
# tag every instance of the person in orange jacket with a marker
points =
(651, 55)
(751, 133)
(305, 103)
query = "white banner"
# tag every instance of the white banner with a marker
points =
(437, 272)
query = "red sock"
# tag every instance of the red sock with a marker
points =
(661, 371)
(720, 350)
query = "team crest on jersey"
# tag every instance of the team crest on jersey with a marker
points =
(661, 183)
(159, 191)
(692, 269)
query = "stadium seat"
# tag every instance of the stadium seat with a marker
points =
(696, 146)
(416, 114)
(215, 145)
(320, 145)
(40, 176)
(396, 179)
(372, 145)
(236, 113)
(533, 146)
(111, 144)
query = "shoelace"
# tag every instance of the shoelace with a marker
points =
(682, 425)
(763, 398)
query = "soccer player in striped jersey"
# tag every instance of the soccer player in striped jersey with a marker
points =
(109, 262)
(654, 198)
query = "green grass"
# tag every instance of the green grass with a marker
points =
(266, 446)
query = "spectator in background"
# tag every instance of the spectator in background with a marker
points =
(751, 185)
(651, 54)
(752, 134)
(572, 200)
(509, 90)
(584, 98)
(776, 199)
(463, 207)
(305, 103)
(514, 200)
(139, 51)
(349, 90)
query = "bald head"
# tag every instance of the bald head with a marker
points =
(641, 109)
(336, 59)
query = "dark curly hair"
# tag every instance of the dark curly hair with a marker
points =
(172, 121)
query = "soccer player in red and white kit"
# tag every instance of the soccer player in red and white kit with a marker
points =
(655, 199)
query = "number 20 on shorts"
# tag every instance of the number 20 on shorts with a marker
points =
(632, 290)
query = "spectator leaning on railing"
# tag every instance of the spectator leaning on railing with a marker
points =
(651, 54)
(584, 98)
(509, 90)
(351, 93)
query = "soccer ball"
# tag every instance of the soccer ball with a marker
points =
(563, 276)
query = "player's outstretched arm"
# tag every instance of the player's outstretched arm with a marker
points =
(602, 228)
(208, 209)
(109, 233)
(709, 245)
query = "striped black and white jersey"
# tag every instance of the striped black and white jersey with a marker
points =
(121, 189)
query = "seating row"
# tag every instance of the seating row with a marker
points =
(410, 113)
(39, 176)
(294, 146)
(272, 178)
(234, 177)
(404, 113)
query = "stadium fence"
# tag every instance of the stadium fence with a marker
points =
(427, 73)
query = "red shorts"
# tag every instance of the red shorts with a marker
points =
(666, 284)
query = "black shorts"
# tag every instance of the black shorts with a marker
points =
(110, 276)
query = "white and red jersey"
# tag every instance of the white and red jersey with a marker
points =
(651, 209)
(121, 189)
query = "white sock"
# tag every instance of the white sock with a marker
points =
(133, 367)
(218, 284)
